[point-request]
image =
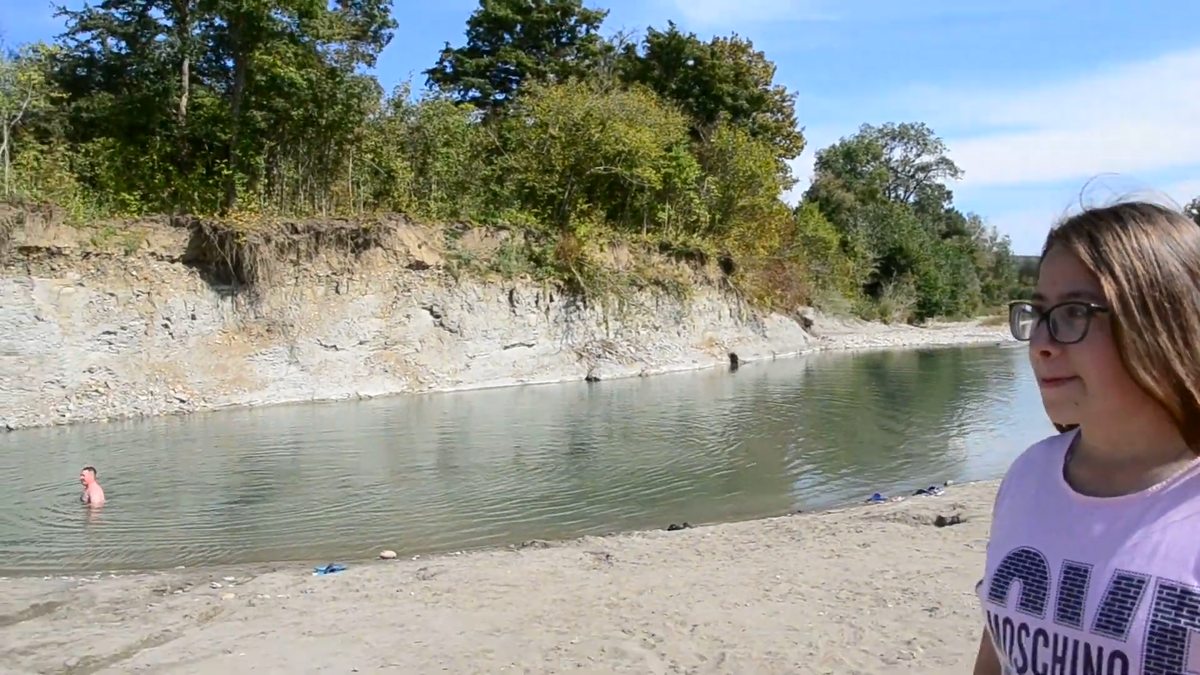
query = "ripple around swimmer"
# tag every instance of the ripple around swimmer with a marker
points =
(431, 473)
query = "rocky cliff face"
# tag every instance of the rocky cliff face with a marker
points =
(147, 320)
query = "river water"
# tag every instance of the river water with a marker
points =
(443, 472)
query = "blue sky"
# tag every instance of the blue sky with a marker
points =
(1034, 97)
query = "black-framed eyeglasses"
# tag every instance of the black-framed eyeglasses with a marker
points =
(1068, 322)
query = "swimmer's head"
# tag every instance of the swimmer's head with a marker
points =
(87, 476)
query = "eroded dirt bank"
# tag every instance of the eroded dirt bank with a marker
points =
(167, 317)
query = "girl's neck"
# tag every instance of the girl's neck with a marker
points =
(1113, 464)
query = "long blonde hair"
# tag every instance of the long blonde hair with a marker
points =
(1147, 258)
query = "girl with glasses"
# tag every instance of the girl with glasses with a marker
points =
(1093, 565)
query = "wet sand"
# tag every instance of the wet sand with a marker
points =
(869, 589)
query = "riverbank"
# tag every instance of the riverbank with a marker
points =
(162, 320)
(870, 589)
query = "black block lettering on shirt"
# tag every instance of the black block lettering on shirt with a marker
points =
(1119, 604)
(1028, 567)
(1118, 663)
(1174, 614)
(1173, 617)
(1073, 580)
(1036, 651)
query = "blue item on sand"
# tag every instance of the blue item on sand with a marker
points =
(331, 568)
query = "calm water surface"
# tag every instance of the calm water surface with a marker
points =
(454, 471)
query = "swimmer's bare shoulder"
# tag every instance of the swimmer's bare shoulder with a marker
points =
(93, 495)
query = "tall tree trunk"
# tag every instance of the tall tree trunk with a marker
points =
(183, 36)
(185, 78)
(241, 67)
(4, 152)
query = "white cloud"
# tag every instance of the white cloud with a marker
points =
(1138, 118)
(1029, 152)
(1028, 224)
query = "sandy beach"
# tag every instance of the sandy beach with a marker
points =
(867, 589)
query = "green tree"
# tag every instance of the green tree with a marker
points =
(25, 93)
(155, 86)
(903, 163)
(1193, 210)
(885, 191)
(510, 42)
(999, 268)
(577, 156)
(299, 47)
(723, 79)
(742, 183)
(127, 69)
(430, 158)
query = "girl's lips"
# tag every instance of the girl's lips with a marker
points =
(1052, 382)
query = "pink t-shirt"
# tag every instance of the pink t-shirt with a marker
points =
(1081, 585)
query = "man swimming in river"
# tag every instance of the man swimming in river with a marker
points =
(93, 494)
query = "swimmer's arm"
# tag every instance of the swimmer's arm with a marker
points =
(986, 662)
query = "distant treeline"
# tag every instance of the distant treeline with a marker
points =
(1027, 271)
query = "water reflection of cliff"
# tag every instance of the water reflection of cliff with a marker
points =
(453, 471)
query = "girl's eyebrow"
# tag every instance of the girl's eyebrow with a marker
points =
(1085, 296)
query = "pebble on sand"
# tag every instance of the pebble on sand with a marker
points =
(387, 555)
